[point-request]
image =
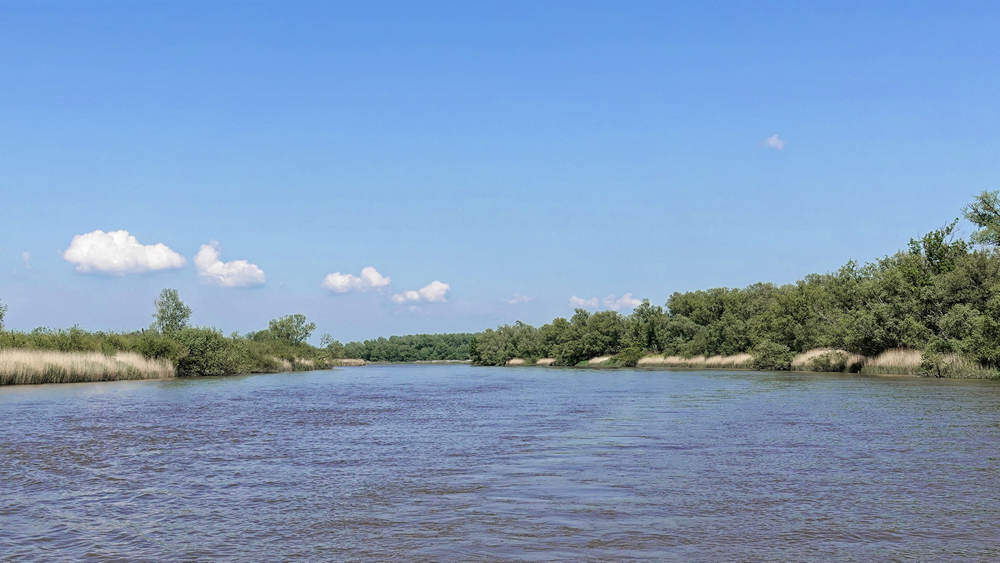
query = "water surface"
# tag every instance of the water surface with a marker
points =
(460, 462)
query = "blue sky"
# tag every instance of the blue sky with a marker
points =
(529, 152)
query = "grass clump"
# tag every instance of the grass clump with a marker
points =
(897, 361)
(828, 360)
(47, 366)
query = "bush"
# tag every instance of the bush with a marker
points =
(771, 356)
(628, 357)
(833, 361)
(209, 353)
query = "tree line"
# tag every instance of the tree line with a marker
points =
(940, 295)
(194, 351)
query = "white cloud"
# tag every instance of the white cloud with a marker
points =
(626, 301)
(518, 298)
(119, 253)
(26, 259)
(434, 292)
(579, 302)
(238, 273)
(405, 296)
(342, 283)
(774, 142)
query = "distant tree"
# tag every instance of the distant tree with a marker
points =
(3, 313)
(171, 313)
(292, 329)
(985, 213)
(334, 348)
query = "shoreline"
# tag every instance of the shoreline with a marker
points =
(650, 366)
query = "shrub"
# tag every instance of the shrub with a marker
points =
(208, 353)
(628, 357)
(771, 356)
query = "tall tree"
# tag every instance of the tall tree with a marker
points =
(171, 313)
(3, 313)
(292, 329)
(985, 213)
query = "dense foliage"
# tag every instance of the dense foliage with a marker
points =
(410, 348)
(193, 351)
(940, 295)
(171, 314)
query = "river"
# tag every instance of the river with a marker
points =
(462, 462)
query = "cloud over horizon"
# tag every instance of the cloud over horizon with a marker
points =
(518, 299)
(343, 283)
(626, 301)
(434, 292)
(119, 253)
(237, 273)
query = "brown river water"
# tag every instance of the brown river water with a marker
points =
(454, 462)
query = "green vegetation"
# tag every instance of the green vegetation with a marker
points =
(932, 309)
(411, 348)
(941, 295)
(171, 313)
(169, 347)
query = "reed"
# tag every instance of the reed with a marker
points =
(897, 361)
(46, 366)
(735, 361)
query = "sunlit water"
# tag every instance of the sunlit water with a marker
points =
(459, 462)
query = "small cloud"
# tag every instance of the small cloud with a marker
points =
(518, 298)
(411, 295)
(119, 253)
(579, 302)
(774, 142)
(238, 273)
(434, 292)
(342, 283)
(626, 301)
(26, 259)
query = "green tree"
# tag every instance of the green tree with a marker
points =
(292, 329)
(3, 313)
(171, 313)
(985, 213)
(333, 347)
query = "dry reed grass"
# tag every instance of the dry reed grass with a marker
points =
(736, 361)
(897, 361)
(346, 362)
(44, 366)
(516, 362)
(545, 362)
(598, 361)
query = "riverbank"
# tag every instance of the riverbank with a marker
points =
(895, 362)
(32, 367)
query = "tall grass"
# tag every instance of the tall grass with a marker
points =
(735, 361)
(46, 366)
(897, 361)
